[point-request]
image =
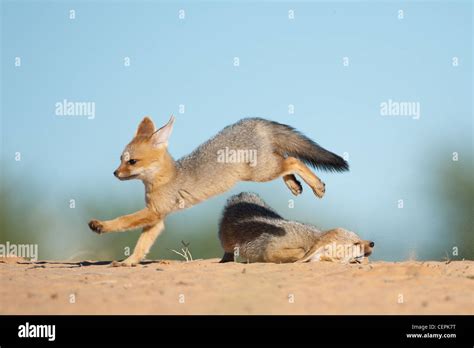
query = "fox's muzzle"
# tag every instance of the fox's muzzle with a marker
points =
(368, 248)
(120, 177)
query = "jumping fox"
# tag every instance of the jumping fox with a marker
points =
(281, 151)
(251, 229)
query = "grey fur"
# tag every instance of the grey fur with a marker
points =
(200, 175)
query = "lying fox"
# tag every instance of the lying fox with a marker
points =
(251, 229)
(173, 185)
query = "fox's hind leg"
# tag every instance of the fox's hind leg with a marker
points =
(293, 184)
(284, 255)
(292, 165)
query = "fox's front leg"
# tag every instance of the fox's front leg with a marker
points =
(142, 218)
(146, 240)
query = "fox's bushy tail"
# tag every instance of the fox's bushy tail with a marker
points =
(290, 142)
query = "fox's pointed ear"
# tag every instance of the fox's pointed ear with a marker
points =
(145, 128)
(161, 136)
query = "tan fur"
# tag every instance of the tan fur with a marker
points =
(295, 166)
(173, 185)
(340, 237)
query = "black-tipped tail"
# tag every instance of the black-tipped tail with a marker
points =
(290, 142)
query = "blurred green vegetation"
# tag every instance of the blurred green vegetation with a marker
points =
(456, 185)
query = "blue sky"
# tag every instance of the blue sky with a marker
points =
(282, 62)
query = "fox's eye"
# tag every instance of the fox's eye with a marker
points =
(132, 162)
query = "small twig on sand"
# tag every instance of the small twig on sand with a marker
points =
(185, 253)
(447, 260)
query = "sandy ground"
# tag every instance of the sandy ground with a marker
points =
(207, 287)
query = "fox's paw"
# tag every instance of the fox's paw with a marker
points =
(295, 187)
(293, 184)
(125, 263)
(96, 226)
(319, 189)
